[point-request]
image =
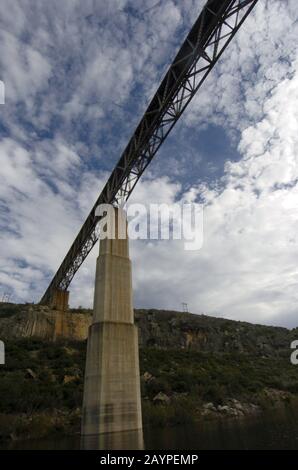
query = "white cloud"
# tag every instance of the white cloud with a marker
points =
(247, 267)
(25, 70)
(78, 76)
(260, 56)
(43, 211)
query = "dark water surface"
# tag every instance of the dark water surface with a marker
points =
(274, 430)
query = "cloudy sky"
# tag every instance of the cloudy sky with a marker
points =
(78, 75)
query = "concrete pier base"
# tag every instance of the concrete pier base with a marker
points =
(112, 401)
(112, 382)
(125, 440)
(60, 300)
(60, 303)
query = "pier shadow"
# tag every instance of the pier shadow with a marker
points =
(127, 440)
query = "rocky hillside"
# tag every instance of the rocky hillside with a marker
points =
(176, 330)
(157, 328)
(193, 367)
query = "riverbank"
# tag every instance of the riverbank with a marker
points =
(41, 387)
(65, 423)
(271, 429)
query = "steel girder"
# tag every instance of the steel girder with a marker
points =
(212, 32)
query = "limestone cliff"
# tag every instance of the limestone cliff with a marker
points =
(176, 330)
(157, 328)
(42, 322)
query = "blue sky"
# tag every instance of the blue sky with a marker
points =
(78, 76)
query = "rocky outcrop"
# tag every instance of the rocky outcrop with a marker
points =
(42, 322)
(175, 330)
(157, 328)
(232, 408)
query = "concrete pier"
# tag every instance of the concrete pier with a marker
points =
(60, 304)
(60, 300)
(112, 401)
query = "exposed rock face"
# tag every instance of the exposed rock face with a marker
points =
(161, 398)
(176, 330)
(42, 322)
(233, 408)
(157, 328)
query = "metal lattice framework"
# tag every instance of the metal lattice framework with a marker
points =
(212, 32)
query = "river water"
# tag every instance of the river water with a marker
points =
(278, 430)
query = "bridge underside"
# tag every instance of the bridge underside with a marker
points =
(212, 32)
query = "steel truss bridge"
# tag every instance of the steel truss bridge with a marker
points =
(212, 32)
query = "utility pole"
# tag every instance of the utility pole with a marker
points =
(184, 307)
(5, 297)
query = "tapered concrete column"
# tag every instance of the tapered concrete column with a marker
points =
(112, 401)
